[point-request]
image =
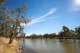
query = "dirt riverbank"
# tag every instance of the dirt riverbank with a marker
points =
(14, 47)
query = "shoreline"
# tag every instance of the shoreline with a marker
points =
(14, 47)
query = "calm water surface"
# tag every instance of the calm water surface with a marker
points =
(50, 46)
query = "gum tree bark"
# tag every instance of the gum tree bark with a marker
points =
(11, 36)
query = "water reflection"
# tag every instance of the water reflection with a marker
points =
(70, 46)
(26, 48)
(50, 46)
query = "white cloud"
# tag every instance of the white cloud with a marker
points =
(22, 24)
(40, 19)
(27, 34)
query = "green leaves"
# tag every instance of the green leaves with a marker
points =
(8, 22)
(2, 2)
(77, 30)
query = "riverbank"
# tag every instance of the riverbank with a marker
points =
(14, 47)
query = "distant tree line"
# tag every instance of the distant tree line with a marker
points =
(65, 33)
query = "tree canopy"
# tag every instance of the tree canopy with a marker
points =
(8, 22)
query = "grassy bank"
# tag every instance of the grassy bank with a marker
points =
(9, 48)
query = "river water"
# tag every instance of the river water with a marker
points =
(50, 46)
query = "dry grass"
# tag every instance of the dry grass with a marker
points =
(8, 48)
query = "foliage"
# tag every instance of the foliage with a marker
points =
(65, 33)
(8, 23)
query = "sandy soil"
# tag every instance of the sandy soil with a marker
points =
(9, 48)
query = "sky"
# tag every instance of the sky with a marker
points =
(48, 16)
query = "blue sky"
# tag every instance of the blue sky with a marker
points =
(48, 16)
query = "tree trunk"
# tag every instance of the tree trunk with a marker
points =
(11, 40)
(11, 37)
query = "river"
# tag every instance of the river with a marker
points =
(50, 46)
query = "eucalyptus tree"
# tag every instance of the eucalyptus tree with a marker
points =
(4, 19)
(20, 18)
(72, 34)
(66, 31)
(8, 24)
(77, 31)
(2, 2)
